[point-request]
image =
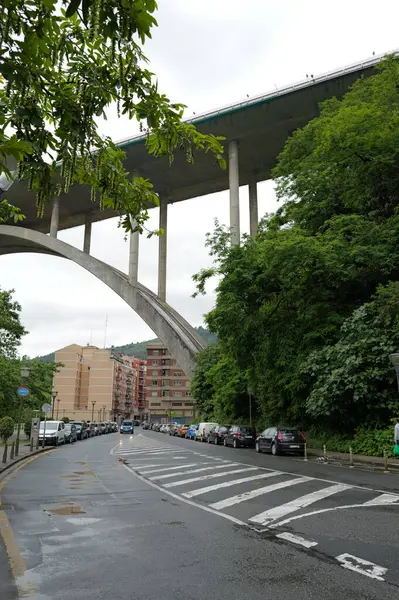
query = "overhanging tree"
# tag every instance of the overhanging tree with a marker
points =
(62, 65)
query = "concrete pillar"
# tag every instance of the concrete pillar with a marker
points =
(55, 217)
(163, 224)
(234, 185)
(253, 208)
(134, 254)
(87, 235)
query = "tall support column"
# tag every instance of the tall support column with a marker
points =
(234, 184)
(134, 254)
(253, 208)
(87, 235)
(55, 217)
(163, 224)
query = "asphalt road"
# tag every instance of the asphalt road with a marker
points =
(149, 516)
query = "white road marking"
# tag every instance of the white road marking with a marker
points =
(211, 476)
(153, 465)
(325, 510)
(177, 497)
(258, 492)
(167, 468)
(224, 484)
(296, 539)
(383, 499)
(264, 518)
(213, 467)
(364, 567)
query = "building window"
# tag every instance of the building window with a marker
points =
(177, 394)
(188, 404)
(154, 363)
(154, 382)
(164, 394)
(178, 383)
(155, 373)
(154, 394)
(155, 404)
(188, 394)
(155, 352)
(177, 373)
(177, 404)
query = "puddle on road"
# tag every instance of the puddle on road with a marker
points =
(67, 510)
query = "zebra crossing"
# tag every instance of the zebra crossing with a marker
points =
(263, 498)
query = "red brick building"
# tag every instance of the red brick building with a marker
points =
(168, 388)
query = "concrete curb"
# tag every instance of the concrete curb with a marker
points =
(358, 459)
(20, 459)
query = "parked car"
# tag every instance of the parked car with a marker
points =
(53, 433)
(91, 430)
(136, 423)
(174, 429)
(182, 430)
(115, 426)
(163, 428)
(203, 430)
(240, 435)
(190, 433)
(217, 434)
(279, 440)
(96, 427)
(102, 428)
(146, 425)
(127, 426)
(70, 433)
(157, 427)
(81, 429)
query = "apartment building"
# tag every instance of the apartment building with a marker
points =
(94, 384)
(168, 388)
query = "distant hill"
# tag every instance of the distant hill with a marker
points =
(139, 349)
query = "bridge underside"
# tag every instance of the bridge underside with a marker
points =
(171, 328)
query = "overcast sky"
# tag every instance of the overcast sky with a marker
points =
(206, 53)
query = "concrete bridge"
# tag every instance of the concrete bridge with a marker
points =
(255, 132)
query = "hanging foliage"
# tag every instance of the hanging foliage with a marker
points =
(61, 66)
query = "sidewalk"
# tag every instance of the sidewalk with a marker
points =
(24, 452)
(358, 459)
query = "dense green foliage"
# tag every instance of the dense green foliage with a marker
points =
(307, 313)
(41, 374)
(6, 428)
(62, 64)
(139, 349)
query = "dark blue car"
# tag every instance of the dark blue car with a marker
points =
(127, 427)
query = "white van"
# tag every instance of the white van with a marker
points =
(201, 433)
(55, 433)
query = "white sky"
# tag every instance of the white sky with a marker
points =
(206, 54)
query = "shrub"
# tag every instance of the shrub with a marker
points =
(6, 428)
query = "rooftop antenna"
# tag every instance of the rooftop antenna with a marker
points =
(105, 332)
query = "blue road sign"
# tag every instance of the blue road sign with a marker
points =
(23, 391)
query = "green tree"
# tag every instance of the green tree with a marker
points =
(11, 329)
(353, 380)
(287, 293)
(201, 388)
(6, 428)
(62, 65)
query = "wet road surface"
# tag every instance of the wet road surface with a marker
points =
(149, 516)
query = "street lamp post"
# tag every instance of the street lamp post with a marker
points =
(104, 409)
(58, 406)
(54, 395)
(93, 403)
(25, 372)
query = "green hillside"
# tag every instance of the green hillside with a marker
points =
(139, 349)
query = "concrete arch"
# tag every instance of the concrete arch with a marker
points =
(172, 329)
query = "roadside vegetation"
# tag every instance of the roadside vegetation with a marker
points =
(307, 314)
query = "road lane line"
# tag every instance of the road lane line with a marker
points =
(258, 492)
(296, 539)
(190, 502)
(224, 484)
(383, 499)
(211, 476)
(167, 468)
(199, 471)
(264, 518)
(364, 567)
